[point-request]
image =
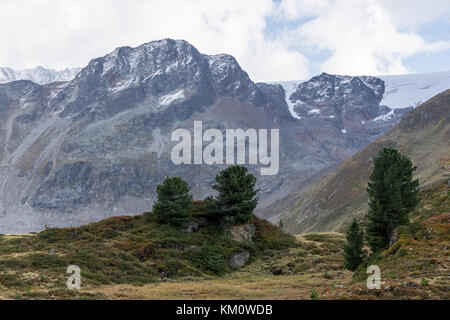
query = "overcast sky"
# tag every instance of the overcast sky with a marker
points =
(272, 40)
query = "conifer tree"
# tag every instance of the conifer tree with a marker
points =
(392, 195)
(174, 202)
(237, 196)
(353, 252)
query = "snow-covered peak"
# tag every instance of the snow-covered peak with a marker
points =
(397, 91)
(326, 95)
(170, 72)
(149, 59)
(166, 63)
(38, 75)
(222, 64)
(325, 86)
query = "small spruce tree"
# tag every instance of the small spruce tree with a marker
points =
(353, 252)
(281, 224)
(237, 196)
(174, 202)
(392, 195)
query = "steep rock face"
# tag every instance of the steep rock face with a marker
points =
(352, 103)
(344, 97)
(98, 146)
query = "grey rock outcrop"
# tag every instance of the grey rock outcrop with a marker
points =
(191, 227)
(238, 260)
(393, 239)
(242, 233)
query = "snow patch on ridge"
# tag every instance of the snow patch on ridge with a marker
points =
(170, 98)
(289, 88)
(314, 111)
(385, 117)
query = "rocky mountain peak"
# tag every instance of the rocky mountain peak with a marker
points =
(339, 97)
(165, 71)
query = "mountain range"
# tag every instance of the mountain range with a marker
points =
(97, 145)
(38, 75)
(332, 202)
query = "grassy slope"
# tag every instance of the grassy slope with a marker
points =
(110, 253)
(329, 204)
(422, 252)
(291, 273)
(124, 250)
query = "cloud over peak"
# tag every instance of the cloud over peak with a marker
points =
(272, 40)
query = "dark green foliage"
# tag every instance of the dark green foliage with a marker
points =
(424, 282)
(392, 195)
(211, 258)
(174, 202)
(314, 295)
(413, 230)
(237, 196)
(353, 252)
(268, 236)
(40, 260)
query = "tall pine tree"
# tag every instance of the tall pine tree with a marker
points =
(237, 196)
(174, 202)
(392, 195)
(353, 252)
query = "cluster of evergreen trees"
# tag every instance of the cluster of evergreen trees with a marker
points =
(234, 203)
(391, 188)
(392, 195)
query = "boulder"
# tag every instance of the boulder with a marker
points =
(191, 227)
(241, 233)
(238, 260)
(393, 239)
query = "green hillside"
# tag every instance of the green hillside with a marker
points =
(127, 250)
(136, 258)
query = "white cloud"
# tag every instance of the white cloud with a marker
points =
(414, 13)
(362, 36)
(295, 9)
(69, 33)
